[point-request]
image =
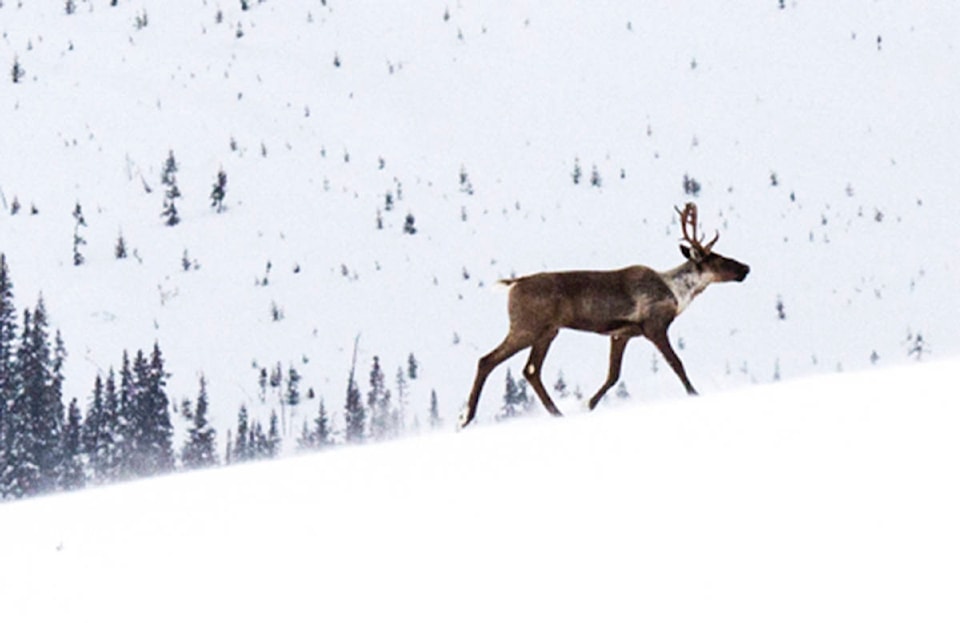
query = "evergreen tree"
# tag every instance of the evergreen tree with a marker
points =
(413, 367)
(200, 449)
(399, 412)
(110, 445)
(97, 436)
(120, 249)
(512, 397)
(169, 179)
(150, 417)
(8, 336)
(621, 392)
(272, 448)
(219, 192)
(306, 440)
(353, 410)
(561, 386)
(323, 436)
(293, 387)
(241, 450)
(435, 421)
(126, 421)
(17, 72)
(72, 474)
(409, 224)
(78, 240)
(257, 442)
(378, 403)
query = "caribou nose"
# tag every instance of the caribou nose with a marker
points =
(743, 273)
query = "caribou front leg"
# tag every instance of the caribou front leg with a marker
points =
(618, 343)
(662, 342)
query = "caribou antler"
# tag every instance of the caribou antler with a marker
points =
(689, 217)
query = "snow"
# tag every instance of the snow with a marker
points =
(829, 498)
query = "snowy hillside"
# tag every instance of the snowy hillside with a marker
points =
(826, 499)
(824, 140)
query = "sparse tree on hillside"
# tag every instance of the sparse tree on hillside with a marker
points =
(219, 192)
(466, 186)
(292, 396)
(409, 224)
(78, 240)
(120, 249)
(595, 179)
(691, 186)
(435, 421)
(17, 72)
(169, 179)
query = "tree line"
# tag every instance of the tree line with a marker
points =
(125, 430)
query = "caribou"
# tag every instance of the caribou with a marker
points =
(623, 304)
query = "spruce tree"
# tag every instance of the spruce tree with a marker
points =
(72, 474)
(78, 240)
(353, 411)
(169, 179)
(200, 448)
(292, 397)
(94, 434)
(110, 444)
(512, 398)
(378, 403)
(127, 418)
(399, 413)
(149, 417)
(8, 336)
(273, 437)
(323, 436)
(434, 410)
(219, 192)
(241, 449)
(413, 367)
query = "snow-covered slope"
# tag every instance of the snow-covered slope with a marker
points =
(831, 498)
(824, 139)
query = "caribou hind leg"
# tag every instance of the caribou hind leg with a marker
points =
(532, 370)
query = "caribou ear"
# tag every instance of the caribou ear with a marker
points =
(689, 253)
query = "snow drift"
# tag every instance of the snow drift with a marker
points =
(824, 499)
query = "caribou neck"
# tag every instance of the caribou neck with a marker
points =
(686, 281)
